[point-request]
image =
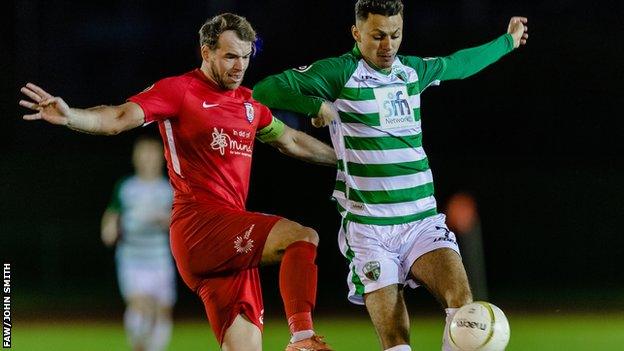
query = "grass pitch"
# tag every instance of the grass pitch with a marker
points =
(528, 333)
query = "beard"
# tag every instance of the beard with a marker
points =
(220, 79)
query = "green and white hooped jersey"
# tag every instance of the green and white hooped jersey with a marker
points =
(383, 173)
(140, 204)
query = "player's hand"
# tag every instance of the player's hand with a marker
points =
(326, 114)
(49, 108)
(109, 236)
(518, 30)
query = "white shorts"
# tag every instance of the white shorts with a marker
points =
(382, 255)
(155, 279)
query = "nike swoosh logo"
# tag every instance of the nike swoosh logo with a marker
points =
(207, 105)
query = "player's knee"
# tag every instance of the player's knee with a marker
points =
(307, 234)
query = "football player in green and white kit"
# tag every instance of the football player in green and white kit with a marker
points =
(391, 232)
(137, 220)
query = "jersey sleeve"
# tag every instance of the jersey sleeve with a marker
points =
(305, 88)
(266, 117)
(115, 202)
(462, 64)
(163, 99)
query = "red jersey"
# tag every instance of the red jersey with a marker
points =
(208, 135)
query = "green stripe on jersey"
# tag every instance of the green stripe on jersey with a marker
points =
(387, 170)
(363, 94)
(386, 196)
(383, 143)
(340, 186)
(340, 165)
(390, 220)
(370, 119)
(391, 196)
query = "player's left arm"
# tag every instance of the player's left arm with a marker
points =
(297, 144)
(467, 62)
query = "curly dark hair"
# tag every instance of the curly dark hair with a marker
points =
(210, 31)
(377, 7)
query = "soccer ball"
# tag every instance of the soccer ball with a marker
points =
(479, 326)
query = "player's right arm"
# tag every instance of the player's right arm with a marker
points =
(105, 120)
(110, 227)
(309, 90)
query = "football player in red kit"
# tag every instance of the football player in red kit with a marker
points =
(208, 123)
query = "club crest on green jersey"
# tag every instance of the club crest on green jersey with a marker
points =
(372, 270)
(400, 73)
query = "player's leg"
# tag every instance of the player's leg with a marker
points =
(161, 332)
(139, 320)
(295, 245)
(375, 273)
(387, 310)
(163, 289)
(441, 271)
(242, 335)
(431, 258)
(234, 307)
(135, 283)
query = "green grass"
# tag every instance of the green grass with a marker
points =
(528, 333)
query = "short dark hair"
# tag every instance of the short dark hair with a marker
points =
(211, 30)
(377, 7)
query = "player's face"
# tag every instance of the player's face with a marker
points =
(226, 65)
(148, 158)
(379, 38)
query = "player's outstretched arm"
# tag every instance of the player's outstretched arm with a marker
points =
(467, 62)
(299, 145)
(105, 120)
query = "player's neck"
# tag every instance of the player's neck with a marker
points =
(205, 71)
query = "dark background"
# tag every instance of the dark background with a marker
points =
(536, 137)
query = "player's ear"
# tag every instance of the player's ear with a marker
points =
(356, 33)
(205, 52)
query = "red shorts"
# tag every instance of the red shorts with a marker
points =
(217, 251)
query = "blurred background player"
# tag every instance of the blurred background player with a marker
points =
(137, 221)
(391, 234)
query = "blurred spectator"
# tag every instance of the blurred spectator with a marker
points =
(462, 218)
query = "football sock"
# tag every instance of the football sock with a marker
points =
(399, 348)
(161, 334)
(450, 312)
(301, 335)
(297, 281)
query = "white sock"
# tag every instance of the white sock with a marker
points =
(161, 334)
(446, 345)
(399, 348)
(137, 327)
(302, 334)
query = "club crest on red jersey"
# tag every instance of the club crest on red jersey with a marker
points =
(249, 110)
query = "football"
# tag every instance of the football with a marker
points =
(479, 326)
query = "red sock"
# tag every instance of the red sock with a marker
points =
(297, 280)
